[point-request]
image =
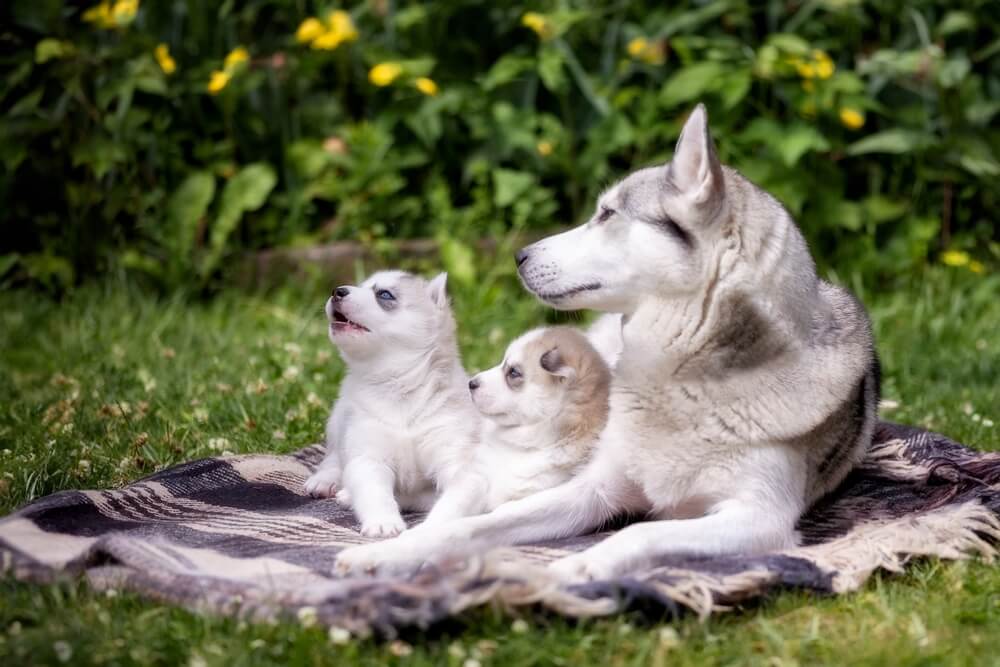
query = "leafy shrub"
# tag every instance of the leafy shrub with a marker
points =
(164, 136)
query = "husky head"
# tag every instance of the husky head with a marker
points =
(552, 376)
(390, 314)
(651, 233)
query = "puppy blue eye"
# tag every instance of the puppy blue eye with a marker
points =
(513, 373)
(385, 295)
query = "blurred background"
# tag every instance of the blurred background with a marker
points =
(170, 140)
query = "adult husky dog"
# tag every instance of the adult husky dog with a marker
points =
(745, 390)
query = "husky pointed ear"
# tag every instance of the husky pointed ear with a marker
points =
(695, 168)
(552, 361)
(438, 289)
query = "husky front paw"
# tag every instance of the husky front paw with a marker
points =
(323, 483)
(582, 567)
(388, 526)
(389, 557)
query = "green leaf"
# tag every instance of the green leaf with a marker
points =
(50, 49)
(735, 87)
(797, 140)
(506, 69)
(881, 209)
(509, 185)
(550, 69)
(895, 141)
(185, 209)
(956, 21)
(246, 191)
(690, 83)
(458, 260)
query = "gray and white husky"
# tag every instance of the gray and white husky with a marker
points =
(745, 390)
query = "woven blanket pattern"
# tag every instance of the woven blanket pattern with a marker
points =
(235, 535)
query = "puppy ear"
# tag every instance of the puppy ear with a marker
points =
(553, 362)
(437, 289)
(695, 168)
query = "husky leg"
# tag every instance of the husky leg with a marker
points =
(371, 485)
(735, 527)
(581, 504)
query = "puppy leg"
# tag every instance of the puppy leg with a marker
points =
(371, 485)
(463, 497)
(581, 504)
(324, 482)
(735, 527)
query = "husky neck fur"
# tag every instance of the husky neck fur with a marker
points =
(745, 390)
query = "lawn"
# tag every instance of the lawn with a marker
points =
(111, 383)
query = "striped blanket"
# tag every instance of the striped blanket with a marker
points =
(235, 535)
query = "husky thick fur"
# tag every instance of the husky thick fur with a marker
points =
(404, 427)
(544, 407)
(745, 390)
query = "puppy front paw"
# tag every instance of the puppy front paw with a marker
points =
(323, 483)
(389, 557)
(387, 526)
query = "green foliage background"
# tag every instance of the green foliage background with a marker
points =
(874, 122)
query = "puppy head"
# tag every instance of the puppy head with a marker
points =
(391, 311)
(551, 375)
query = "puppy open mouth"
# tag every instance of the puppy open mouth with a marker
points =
(559, 296)
(341, 323)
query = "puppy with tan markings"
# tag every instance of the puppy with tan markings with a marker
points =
(404, 429)
(544, 406)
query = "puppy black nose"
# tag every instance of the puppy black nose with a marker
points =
(340, 293)
(521, 256)
(473, 384)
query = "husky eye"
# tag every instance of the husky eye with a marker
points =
(385, 295)
(604, 214)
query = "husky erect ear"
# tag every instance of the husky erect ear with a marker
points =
(695, 168)
(437, 288)
(553, 362)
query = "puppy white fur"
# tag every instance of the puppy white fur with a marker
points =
(543, 409)
(404, 428)
(745, 390)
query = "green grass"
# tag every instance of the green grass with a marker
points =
(110, 384)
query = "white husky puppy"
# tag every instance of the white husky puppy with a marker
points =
(543, 409)
(745, 390)
(404, 428)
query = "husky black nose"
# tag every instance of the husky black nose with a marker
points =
(340, 293)
(521, 256)
(473, 384)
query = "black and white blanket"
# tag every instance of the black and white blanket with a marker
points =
(235, 535)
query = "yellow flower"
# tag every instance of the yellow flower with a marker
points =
(235, 57)
(637, 46)
(309, 30)
(544, 148)
(642, 49)
(852, 118)
(955, 257)
(100, 14)
(124, 11)
(109, 15)
(163, 57)
(824, 65)
(805, 70)
(977, 267)
(426, 86)
(538, 23)
(384, 74)
(341, 24)
(218, 81)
